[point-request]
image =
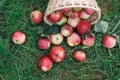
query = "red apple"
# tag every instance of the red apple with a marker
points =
(88, 11)
(109, 41)
(66, 30)
(45, 64)
(74, 40)
(56, 38)
(18, 37)
(74, 14)
(67, 10)
(74, 19)
(73, 22)
(83, 27)
(36, 16)
(89, 40)
(79, 56)
(44, 43)
(57, 54)
(55, 16)
(84, 15)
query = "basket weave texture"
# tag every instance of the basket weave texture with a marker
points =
(55, 5)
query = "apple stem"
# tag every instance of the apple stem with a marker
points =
(116, 27)
(85, 47)
(56, 56)
(110, 52)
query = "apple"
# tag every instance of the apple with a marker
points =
(56, 38)
(74, 19)
(66, 30)
(44, 43)
(55, 16)
(57, 54)
(62, 21)
(83, 27)
(74, 14)
(88, 11)
(36, 16)
(89, 40)
(45, 64)
(67, 14)
(73, 40)
(18, 37)
(79, 56)
(109, 41)
(67, 10)
(84, 15)
(77, 9)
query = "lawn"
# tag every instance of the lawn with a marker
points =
(20, 62)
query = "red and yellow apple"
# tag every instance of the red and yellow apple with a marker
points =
(109, 41)
(55, 16)
(84, 15)
(73, 40)
(89, 40)
(18, 37)
(74, 19)
(36, 16)
(79, 56)
(45, 64)
(57, 54)
(44, 43)
(66, 30)
(56, 39)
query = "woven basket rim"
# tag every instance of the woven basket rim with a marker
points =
(96, 9)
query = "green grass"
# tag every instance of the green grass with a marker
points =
(20, 62)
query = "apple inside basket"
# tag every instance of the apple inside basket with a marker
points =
(64, 11)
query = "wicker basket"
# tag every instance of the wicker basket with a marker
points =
(55, 5)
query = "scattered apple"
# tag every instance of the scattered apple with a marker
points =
(83, 27)
(62, 21)
(36, 16)
(88, 11)
(55, 16)
(74, 40)
(45, 64)
(89, 40)
(56, 38)
(44, 43)
(18, 37)
(109, 41)
(57, 54)
(66, 30)
(79, 56)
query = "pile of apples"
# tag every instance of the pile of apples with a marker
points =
(71, 16)
(71, 19)
(74, 25)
